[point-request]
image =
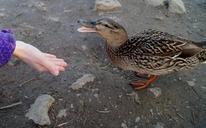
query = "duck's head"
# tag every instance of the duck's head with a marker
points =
(114, 33)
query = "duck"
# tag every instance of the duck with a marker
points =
(150, 52)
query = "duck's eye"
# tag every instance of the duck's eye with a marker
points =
(106, 25)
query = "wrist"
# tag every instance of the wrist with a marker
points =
(18, 51)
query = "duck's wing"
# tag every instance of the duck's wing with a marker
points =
(156, 43)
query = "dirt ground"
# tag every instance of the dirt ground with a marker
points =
(108, 101)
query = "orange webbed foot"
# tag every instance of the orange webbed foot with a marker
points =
(141, 84)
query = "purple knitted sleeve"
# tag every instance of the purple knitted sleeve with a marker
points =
(7, 46)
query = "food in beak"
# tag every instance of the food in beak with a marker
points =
(86, 29)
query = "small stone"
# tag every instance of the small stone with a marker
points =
(135, 96)
(62, 113)
(137, 119)
(54, 19)
(38, 112)
(177, 6)
(84, 47)
(78, 95)
(151, 111)
(2, 9)
(155, 3)
(40, 6)
(67, 11)
(191, 83)
(156, 91)
(158, 18)
(71, 106)
(107, 5)
(96, 95)
(123, 125)
(159, 125)
(82, 81)
(2, 15)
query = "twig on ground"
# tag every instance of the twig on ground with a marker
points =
(11, 105)
(62, 124)
(27, 81)
(104, 112)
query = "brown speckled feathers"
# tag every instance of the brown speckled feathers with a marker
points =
(156, 43)
(154, 52)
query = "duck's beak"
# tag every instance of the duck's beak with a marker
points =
(87, 26)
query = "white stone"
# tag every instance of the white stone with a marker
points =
(62, 113)
(2, 15)
(177, 6)
(156, 91)
(137, 119)
(107, 5)
(38, 111)
(82, 81)
(54, 19)
(123, 125)
(96, 95)
(155, 3)
(135, 96)
(191, 83)
(84, 47)
(159, 125)
(40, 6)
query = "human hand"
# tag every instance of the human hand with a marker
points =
(42, 62)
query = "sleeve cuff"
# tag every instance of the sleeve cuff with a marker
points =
(7, 46)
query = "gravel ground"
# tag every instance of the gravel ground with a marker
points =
(108, 101)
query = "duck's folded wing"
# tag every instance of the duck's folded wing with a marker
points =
(156, 43)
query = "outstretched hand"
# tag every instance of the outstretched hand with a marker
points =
(42, 62)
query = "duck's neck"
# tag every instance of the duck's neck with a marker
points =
(116, 42)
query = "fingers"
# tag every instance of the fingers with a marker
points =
(61, 68)
(39, 67)
(59, 62)
(51, 63)
(50, 55)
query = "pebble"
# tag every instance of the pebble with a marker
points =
(82, 81)
(156, 91)
(135, 96)
(177, 6)
(54, 19)
(2, 15)
(107, 5)
(40, 6)
(62, 113)
(174, 6)
(96, 95)
(124, 125)
(191, 83)
(159, 125)
(38, 111)
(137, 119)
(71, 106)
(84, 47)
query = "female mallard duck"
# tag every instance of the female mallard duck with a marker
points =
(150, 52)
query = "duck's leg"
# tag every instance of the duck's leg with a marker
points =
(141, 84)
